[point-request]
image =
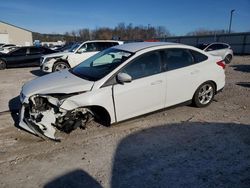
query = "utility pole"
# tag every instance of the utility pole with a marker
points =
(230, 23)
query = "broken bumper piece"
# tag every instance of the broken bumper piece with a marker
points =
(43, 116)
(42, 130)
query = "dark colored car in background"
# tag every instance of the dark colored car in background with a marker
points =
(23, 57)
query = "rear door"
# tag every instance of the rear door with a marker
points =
(33, 56)
(84, 52)
(146, 92)
(184, 75)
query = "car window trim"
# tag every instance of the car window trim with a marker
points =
(109, 81)
(186, 49)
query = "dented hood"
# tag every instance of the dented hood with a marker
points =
(58, 82)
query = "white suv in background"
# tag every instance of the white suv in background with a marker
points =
(65, 60)
(218, 49)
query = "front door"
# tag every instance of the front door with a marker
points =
(84, 52)
(146, 92)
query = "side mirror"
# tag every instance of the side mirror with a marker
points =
(123, 78)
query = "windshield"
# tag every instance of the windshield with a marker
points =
(74, 47)
(101, 64)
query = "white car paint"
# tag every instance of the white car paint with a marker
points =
(64, 81)
(44, 61)
(76, 58)
(72, 58)
(126, 100)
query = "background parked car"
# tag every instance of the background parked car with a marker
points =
(23, 56)
(219, 49)
(59, 61)
(48, 60)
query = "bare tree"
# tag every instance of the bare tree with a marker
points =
(84, 34)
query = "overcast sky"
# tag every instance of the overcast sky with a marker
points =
(178, 16)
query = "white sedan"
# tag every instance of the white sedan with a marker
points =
(120, 83)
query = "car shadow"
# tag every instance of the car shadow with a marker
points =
(77, 179)
(242, 68)
(189, 154)
(244, 84)
(37, 72)
(184, 155)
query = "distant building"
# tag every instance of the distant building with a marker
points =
(11, 34)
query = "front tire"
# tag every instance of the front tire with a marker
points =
(2, 64)
(60, 65)
(204, 95)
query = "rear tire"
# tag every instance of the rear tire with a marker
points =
(2, 64)
(228, 59)
(204, 95)
(60, 65)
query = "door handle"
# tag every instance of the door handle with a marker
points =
(156, 82)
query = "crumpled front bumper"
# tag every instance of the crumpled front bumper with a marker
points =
(41, 130)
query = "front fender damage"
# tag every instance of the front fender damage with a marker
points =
(43, 116)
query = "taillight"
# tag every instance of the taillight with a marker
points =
(222, 64)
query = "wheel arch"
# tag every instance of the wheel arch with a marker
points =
(5, 61)
(101, 114)
(209, 81)
(61, 60)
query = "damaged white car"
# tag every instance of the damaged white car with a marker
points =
(120, 83)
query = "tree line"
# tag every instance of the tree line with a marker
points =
(120, 32)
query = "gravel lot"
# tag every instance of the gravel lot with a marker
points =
(178, 147)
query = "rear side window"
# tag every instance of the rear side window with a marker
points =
(178, 58)
(36, 50)
(225, 46)
(19, 52)
(216, 47)
(198, 57)
(104, 45)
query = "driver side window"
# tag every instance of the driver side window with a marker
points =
(87, 47)
(144, 66)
